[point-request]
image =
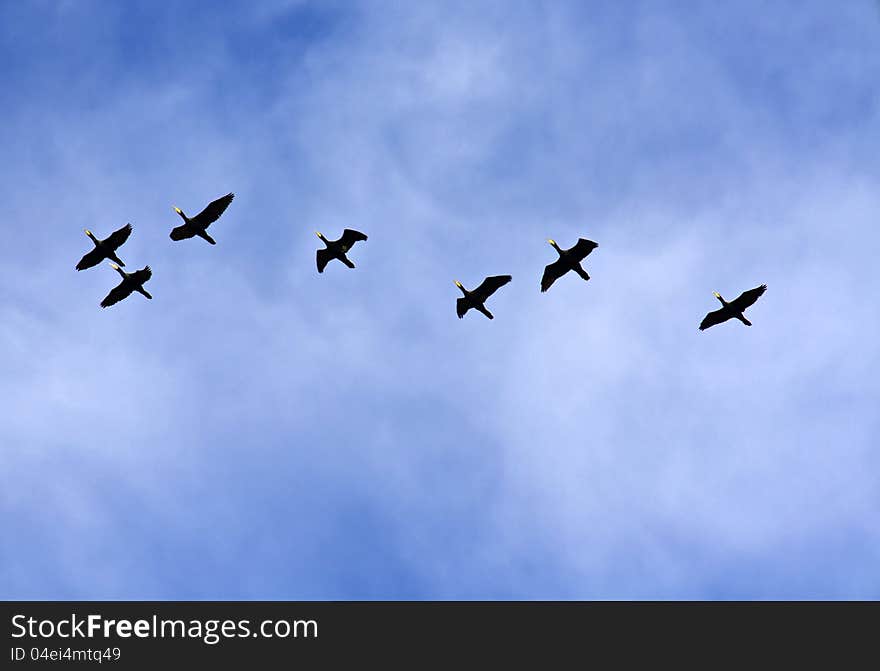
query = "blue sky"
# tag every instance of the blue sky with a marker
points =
(258, 431)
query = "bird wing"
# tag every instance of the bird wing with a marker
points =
(461, 307)
(182, 232)
(120, 291)
(213, 211)
(91, 259)
(351, 236)
(715, 317)
(553, 272)
(747, 298)
(582, 248)
(142, 275)
(489, 286)
(323, 258)
(118, 237)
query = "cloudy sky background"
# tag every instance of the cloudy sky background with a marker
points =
(258, 431)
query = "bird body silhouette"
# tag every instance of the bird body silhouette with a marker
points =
(198, 224)
(569, 259)
(475, 299)
(336, 249)
(104, 249)
(130, 282)
(734, 309)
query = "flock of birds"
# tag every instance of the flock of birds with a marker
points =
(569, 261)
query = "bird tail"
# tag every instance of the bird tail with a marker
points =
(482, 308)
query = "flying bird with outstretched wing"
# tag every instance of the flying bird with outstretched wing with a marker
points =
(130, 282)
(104, 249)
(569, 260)
(475, 299)
(198, 224)
(336, 249)
(734, 309)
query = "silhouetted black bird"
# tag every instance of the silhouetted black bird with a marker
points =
(733, 309)
(336, 249)
(130, 282)
(475, 299)
(104, 249)
(569, 259)
(199, 223)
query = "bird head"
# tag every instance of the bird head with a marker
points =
(716, 294)
(320, 235)
(458, 284)
(114, 266)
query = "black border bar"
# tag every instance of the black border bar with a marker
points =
(416, 633)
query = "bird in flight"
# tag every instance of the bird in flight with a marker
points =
(733, 309)
(475, 299)
(130, 282)
(336, 249)
(104, 249)
(569, 259)
(198, 224)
